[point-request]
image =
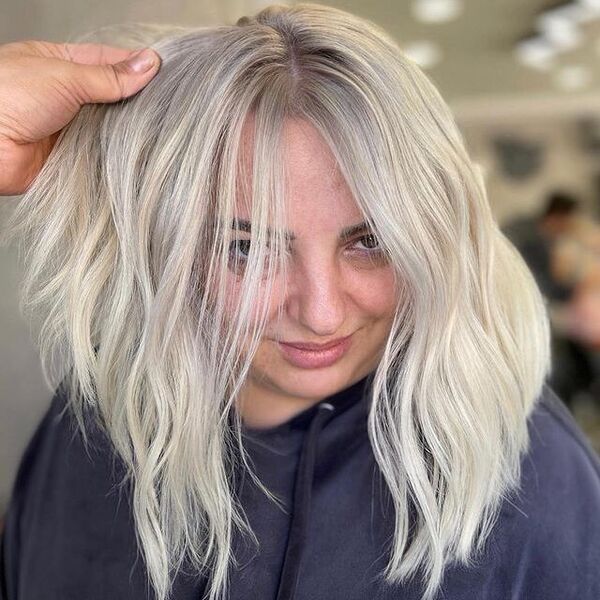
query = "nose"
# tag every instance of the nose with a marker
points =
(317, 296)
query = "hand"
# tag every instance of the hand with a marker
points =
(42, 87)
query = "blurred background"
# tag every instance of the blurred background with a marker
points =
(523, 79)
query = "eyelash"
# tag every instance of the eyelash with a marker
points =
(370, 252)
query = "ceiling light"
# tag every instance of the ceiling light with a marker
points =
(535, 52)
(560, 29)
(590, 9)
(425, 53)
(436, 11)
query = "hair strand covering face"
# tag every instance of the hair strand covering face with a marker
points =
(126, 236)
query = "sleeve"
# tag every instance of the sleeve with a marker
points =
(558, 557)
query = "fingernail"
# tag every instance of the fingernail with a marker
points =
(142, 60)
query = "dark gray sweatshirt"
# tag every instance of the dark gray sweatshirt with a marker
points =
(69, 532)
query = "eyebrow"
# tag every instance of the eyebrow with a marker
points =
(345, 233)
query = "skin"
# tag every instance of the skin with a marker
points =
(42, 87)
(334, 289)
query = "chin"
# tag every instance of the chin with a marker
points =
(308, 383)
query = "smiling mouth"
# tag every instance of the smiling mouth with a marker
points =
(315, 359)
(316, 347)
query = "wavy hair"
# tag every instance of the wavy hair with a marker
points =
(127, 230)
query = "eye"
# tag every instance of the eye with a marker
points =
(370, 241)
(239, 252)
(371, 252)
(370, 245)
(243, 245)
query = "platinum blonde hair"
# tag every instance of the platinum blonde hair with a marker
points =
(127, 230)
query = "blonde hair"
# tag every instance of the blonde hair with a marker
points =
(127, 230)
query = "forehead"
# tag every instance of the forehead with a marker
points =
(318, 195)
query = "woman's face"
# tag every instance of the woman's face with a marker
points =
(336, 287)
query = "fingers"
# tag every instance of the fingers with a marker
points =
(84, 53)
(97, 72)
(113, 82)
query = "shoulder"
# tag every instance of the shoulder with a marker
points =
(38, 454)
(54, 456)
(65, 509)
(559, 451)
(55, 444)
(550, 525)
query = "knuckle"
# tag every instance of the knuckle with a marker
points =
(65, 50)
(19, 48)
(74, 92)
(115, 81)
(34, 47)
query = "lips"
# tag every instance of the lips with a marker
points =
(324, 356)
(310, 346)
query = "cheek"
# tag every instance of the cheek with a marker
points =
(377, 294)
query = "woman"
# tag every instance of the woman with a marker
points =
(192, 451)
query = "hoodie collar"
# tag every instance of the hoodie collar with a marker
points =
(342, 415)
(287, 437)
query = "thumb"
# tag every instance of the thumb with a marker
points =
(113, 82)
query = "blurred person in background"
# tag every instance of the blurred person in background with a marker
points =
(561, 245)
(576, 265)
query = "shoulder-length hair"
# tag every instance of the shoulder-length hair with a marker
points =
(127, 230)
